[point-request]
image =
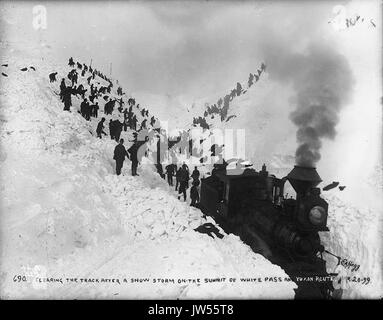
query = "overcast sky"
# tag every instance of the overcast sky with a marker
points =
(192, 48)
(196, 49)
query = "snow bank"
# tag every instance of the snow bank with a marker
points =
(355, 235)
(65, 214)
(355, 216)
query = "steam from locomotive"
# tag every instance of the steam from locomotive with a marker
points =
(323, 87)
(322, 81)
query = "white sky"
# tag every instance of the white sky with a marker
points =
(195, 49)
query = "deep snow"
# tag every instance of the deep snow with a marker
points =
(353, 158)
(60, 218)
(65, 213)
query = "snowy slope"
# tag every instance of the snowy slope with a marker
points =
(355, 216)
(65, 214)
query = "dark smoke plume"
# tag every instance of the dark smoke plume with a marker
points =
(322, 80)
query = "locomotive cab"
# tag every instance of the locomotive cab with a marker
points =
(227, 193)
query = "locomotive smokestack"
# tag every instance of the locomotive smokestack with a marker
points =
(303, 179)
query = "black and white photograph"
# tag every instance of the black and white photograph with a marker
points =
(191, 150)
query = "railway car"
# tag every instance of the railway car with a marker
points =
(251, 204)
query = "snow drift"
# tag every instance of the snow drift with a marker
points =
(66, 215)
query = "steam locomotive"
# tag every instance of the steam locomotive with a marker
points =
(251, 205)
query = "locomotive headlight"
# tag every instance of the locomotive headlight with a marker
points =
(317, 215)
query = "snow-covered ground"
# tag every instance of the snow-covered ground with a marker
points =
(65, 214)
(355, 236)
(353, 158)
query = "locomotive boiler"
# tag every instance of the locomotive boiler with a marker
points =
(251, 204)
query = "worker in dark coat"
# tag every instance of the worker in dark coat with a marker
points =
(152, 121)
(131, 102)
(111, 129)
(88, 111)
(117, 126)
(184, 181)
(133, 150)
(134, 122)
(125, 123)
(178, 174)
(129, 120)
(119, 155)
(170, 173)
(108, 108)
(95, 108)
(52, 77)
(100, 128)
(143, 124)
(195, 174)
(73, 77)
(185, 167)
(67, 97)
(194, 194)
(83, 107)
(81, 91)
(62, 89)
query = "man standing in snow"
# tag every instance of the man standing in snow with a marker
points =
(184, 181)
(67, 97)
(194, 194)
(117, 125)
(100, 128)
(62, 89)
(195, 175)
(125, 123)
(111, 129)
(133, 150)
(170, 172)
(95, 108)
(119, 155)
(108, 108)
(88, 111)
(83, 107)
(134, 122)
(178, 174)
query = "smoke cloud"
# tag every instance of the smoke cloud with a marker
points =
(197, 49)
(322, 81)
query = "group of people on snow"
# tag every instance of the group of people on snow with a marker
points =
(183, 176)
(89, 108)
(120, 153)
